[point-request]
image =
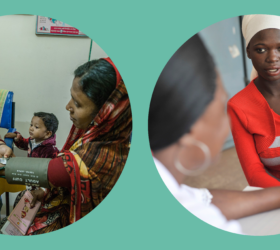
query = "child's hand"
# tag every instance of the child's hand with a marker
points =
(10, 135)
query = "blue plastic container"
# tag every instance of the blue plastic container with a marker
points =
(6, 121)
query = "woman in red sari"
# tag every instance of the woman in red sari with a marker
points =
(94, 153)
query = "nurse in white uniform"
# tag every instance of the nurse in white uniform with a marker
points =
(188, 125)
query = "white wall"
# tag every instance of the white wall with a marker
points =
(39, 70)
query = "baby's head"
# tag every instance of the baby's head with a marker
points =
(43, 126)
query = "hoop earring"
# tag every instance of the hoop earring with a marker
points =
(206, 151)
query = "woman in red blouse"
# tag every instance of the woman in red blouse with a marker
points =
(255, 111)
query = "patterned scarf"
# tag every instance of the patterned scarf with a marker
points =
(95, 158)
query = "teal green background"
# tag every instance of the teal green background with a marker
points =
(140, 37)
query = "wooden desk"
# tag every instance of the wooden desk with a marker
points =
(267, 223)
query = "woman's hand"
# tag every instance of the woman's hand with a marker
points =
(6, 151)
(10, 135)
(38, 195)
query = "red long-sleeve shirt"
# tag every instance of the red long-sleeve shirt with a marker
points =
(256, 135)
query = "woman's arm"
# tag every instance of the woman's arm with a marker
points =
(237, 204)
(57, 176)
(253, 168)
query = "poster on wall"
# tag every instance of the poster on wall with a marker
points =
(51, 26)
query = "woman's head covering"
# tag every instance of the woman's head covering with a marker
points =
(118, 76)
(102, 149)
(252, 24)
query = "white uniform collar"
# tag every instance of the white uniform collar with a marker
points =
(167, 177)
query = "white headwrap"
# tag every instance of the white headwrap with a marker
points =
(252, 24)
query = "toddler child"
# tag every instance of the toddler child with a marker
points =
(41, 143)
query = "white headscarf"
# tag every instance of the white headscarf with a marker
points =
(252, 24)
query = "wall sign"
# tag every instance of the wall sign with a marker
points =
(51, 26)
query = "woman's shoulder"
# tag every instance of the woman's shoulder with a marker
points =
(248, 99)
(245, 94)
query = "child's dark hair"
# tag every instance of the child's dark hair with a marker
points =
(50, 121)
